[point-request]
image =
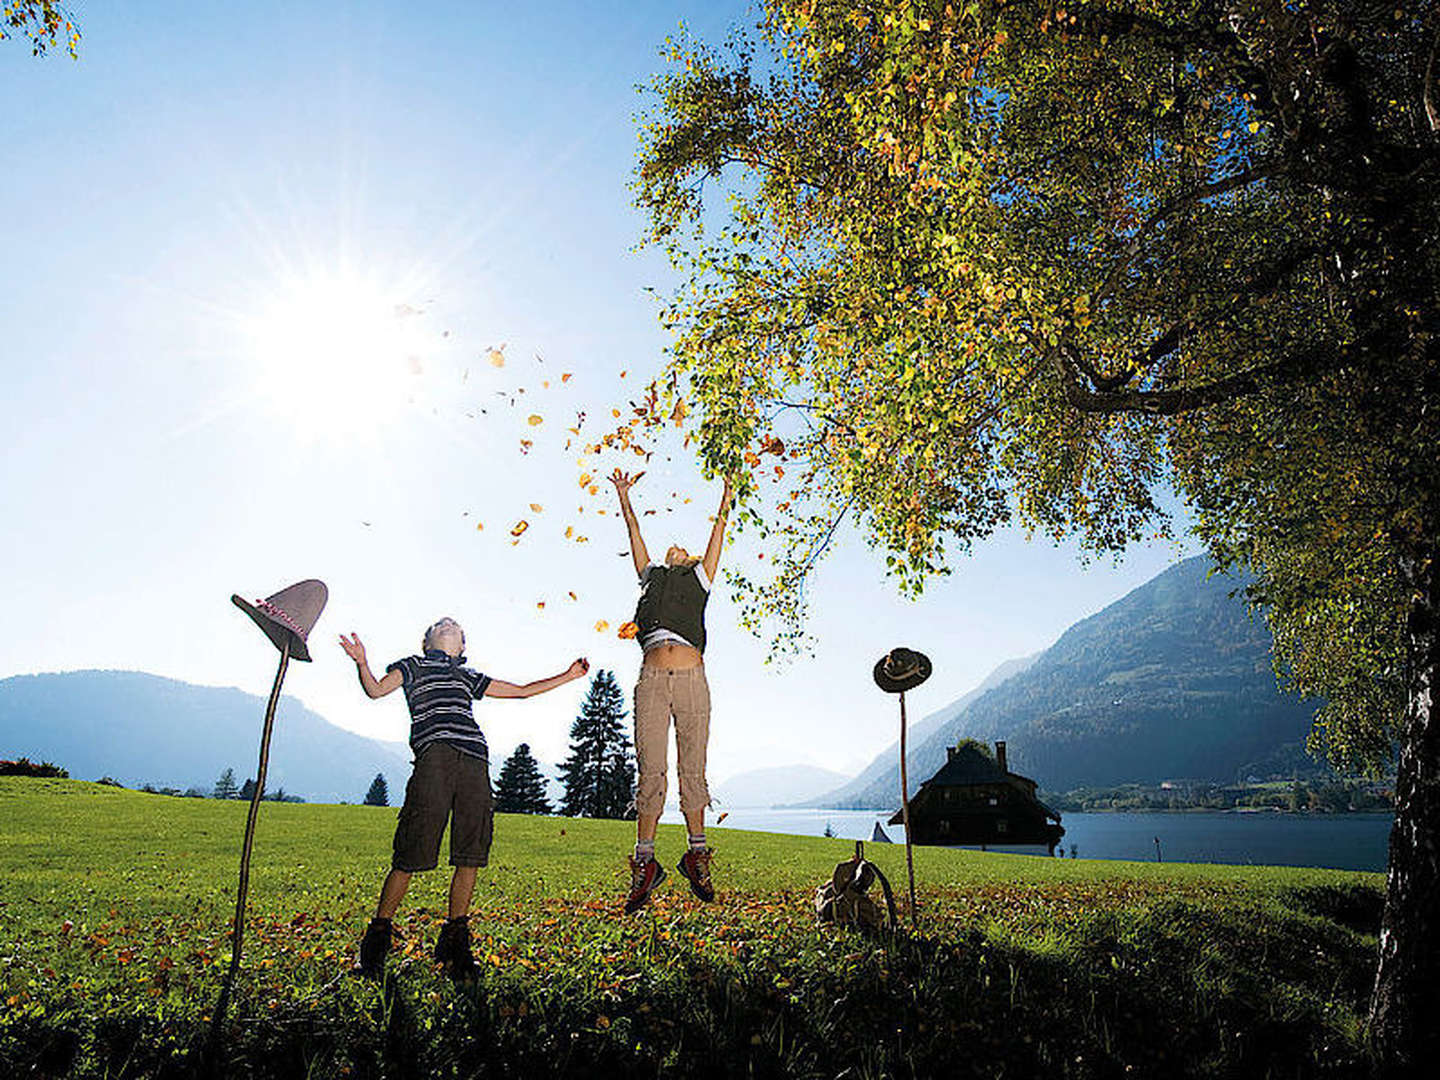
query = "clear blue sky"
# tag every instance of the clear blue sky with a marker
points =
(186, 201)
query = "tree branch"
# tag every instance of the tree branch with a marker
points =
(1131, 251)
(1432, 113)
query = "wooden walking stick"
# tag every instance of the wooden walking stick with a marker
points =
(897, 671)
(905, 812)
(287, 619)
(237, 934)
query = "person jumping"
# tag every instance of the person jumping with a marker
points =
(671, 621)
(450, 782)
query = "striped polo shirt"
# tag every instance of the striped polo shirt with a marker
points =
(439, 689)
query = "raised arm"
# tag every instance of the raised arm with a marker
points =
(373, 687)
(717, 534)
(638, 554)
(501, 689)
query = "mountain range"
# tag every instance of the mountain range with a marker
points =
(140, 728)
(1172, 681)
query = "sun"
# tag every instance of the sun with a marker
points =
(338, 355)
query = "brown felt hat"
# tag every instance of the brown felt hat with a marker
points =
(289, 615)
(900, 670)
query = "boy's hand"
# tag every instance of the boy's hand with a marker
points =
(578, 668)
(353, 647)
(623, 481)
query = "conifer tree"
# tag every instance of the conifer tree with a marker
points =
(225, 787)
(599, 775)
(379, 793)
(520, 788)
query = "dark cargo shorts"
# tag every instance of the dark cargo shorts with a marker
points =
(446, 784)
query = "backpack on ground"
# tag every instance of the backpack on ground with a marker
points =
(845, 901)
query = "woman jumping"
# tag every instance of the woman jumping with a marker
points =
(671, 620)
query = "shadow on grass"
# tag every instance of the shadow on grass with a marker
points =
(1265, 988)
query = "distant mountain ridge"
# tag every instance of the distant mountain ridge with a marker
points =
(1172, 681)
(774, 785)
(141, 728)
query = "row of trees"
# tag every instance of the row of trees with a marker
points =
(599, 774)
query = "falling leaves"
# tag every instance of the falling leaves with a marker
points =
(601, 626)
(520, 527)
(535, 420)
(496, 355)
(627, 630)
(536, 508)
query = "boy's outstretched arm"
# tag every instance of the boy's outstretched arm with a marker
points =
(717, 534)
(638, 554)
(373, 687)
(500, 688)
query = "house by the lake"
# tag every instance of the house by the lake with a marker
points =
(975, 799)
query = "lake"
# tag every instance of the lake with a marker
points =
(1338, 841)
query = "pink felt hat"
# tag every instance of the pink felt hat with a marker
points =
(289, 615)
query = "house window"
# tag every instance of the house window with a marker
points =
(1002, 826)
(993, 801)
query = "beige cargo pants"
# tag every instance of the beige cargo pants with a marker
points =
(660, 694)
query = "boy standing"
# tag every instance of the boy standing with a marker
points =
(450, 781)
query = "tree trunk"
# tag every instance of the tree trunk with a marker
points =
(1405, 1006)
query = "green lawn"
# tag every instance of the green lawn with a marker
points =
(115, 906)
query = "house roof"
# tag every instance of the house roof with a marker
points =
(968, 766)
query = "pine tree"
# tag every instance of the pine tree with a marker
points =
(520, 788)
(247, 789)
(379, 793)
(599, 775)
(225, 787)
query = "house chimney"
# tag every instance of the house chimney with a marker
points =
(1000, 755)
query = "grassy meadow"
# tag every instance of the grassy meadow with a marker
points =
(115, 907)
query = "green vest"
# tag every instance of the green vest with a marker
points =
(673, 599)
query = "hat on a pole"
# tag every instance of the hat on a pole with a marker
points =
(289, 615)
(900, 670)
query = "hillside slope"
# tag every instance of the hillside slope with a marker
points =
(1171, 681)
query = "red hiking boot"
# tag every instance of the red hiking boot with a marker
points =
(695, 868)
(644, 876)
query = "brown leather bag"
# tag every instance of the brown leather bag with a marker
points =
(844, 899)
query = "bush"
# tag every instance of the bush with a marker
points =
(23, 766)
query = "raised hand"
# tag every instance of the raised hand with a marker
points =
(578, 669)
(623, 481)
(353, 647)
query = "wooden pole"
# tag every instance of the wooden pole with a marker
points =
(238, 929)
(905, 810)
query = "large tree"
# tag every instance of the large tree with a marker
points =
(987, 261)
(520, 788)
(599, 774)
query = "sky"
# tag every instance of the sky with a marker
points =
(256, 263)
